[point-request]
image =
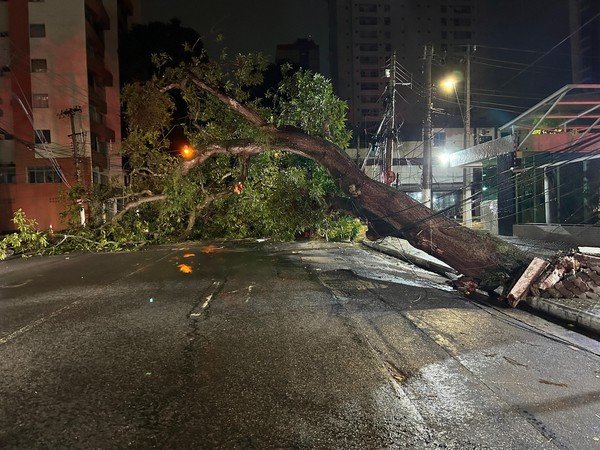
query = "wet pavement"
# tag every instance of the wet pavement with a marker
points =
(266, 345)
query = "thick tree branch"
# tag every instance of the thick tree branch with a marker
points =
(219, 195)
(171, 86)
(248, 113)
(389, 211)
(203, 204)
(134, 204)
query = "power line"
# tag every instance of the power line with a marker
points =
(552, 49)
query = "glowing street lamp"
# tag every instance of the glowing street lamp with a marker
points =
(448, 85)
(187, 152)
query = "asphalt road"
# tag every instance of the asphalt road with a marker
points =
(264, 345)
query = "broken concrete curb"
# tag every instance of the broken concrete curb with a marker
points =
(583, 319)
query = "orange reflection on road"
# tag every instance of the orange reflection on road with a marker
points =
(189, 255)
(185, 268)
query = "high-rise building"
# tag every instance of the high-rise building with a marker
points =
(302, 53)
(363, 35)
(59, 101)
(585, 40)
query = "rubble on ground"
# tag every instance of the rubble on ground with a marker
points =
(576, 275)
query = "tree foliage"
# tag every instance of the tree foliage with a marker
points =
(274, 194)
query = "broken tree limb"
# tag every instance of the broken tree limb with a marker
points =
(136, 203)
(390, 212)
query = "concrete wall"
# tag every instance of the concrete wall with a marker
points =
(586, 235)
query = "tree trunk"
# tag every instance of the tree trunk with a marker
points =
(487, 259)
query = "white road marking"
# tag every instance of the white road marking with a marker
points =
(10, 286)
(35, 323)
(249, 292)
(208, 299)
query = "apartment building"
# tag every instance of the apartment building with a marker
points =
(585, 40)
(59, 102)
(303, 53)
(363, 35)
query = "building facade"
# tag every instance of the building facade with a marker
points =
(302, 53)
(60, 122)
(585, 40)
(363, 35)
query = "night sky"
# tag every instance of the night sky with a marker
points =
(515, 24)
(247, 27)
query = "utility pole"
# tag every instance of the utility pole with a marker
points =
(388, 174)
(70, 112)
(427, 175)
(467, 171)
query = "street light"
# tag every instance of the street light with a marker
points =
(448, 85)
(187, 152)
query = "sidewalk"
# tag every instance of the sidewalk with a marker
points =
(570, 304)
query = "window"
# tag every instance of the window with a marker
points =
(368, 47)
(369, 98)
(37, 30)
(462, 22)
(8, 174)
(42, 137)
(439, 139)
(95, 116)
(386, 21)
(367, 8)
(39, 65)
(369, 86)
(368, 34)
(367, 20)
(42, 175)
(40, 100)
(369, 73)
(369, 60)
(462, 35)
(462, 10)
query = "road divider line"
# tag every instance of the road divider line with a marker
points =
(208, 299)
(36, 323)
(249, 293)
(212, 291)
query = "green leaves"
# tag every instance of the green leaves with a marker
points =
(306, 100)
(26, 240)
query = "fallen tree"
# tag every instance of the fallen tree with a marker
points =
(486, 261)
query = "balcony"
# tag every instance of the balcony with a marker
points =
(93, 40)
(96, 66)
(127, 6)
(95, 8)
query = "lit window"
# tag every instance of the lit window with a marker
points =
(37, 30)
(40, 100)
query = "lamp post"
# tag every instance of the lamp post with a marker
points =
(449, 84)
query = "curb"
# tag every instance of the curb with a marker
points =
(583, 319)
